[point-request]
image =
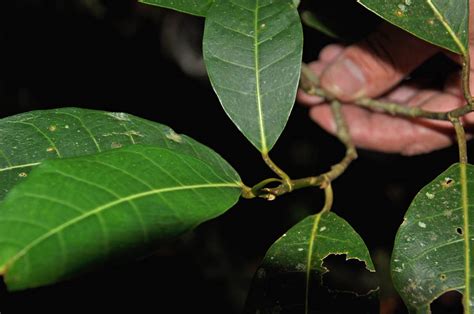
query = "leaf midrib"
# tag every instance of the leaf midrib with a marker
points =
(467, 239)
(439, 17)
(257, 81)
(309, 259)
(448, 28)
(103, 207)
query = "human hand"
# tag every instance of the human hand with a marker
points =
(375, 68)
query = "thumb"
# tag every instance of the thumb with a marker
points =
(374, 65)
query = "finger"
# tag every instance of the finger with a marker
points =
(376, 64)
(330, 52)
(445, 102)
(317, 68)
(402, 93)
(327, 54)
(381, 132)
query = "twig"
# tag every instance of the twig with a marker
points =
(286, 178)
(324, 179)
(329, 198)
(466, 80)
(461, 139)
(310, 85)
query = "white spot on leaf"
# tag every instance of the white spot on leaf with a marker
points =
(430, 195)
(402, 7)
(175, 137)
(119, 116)
(421, 224)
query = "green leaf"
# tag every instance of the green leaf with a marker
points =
(440, 22)
(302, 250)
(29, 138)
(76, 212)
(312, 240)
(311, 20)
(433, 247)
(252, 50)
(194, 7)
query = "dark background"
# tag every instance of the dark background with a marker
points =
(121, 56)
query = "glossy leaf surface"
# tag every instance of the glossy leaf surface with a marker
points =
(27, 139)
(74, 213)
(443, 23)
(252, 50)
(433, 250)
(296, 262)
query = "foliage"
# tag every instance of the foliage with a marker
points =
(80, 187)
(433, 252)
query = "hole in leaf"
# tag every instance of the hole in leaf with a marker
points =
(443, 277)
(459, 231)
(447, 182)
(348, 275)
(282, 289)
(449, 302)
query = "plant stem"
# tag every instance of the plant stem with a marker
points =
(342, 131)
(255, 191)
(466, 78)
(461, 139)
(329, 198)
(310, 85)
(247, 192)
(324, 179)
(397, 109)
(277, 170)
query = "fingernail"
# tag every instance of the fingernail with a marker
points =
(344, 79)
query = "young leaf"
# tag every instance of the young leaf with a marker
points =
(313, 21)
(433, 250)
(299, 255)
(252, 50)
(194, 7)
(76, 212)
(29, 138)
(440, 22)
